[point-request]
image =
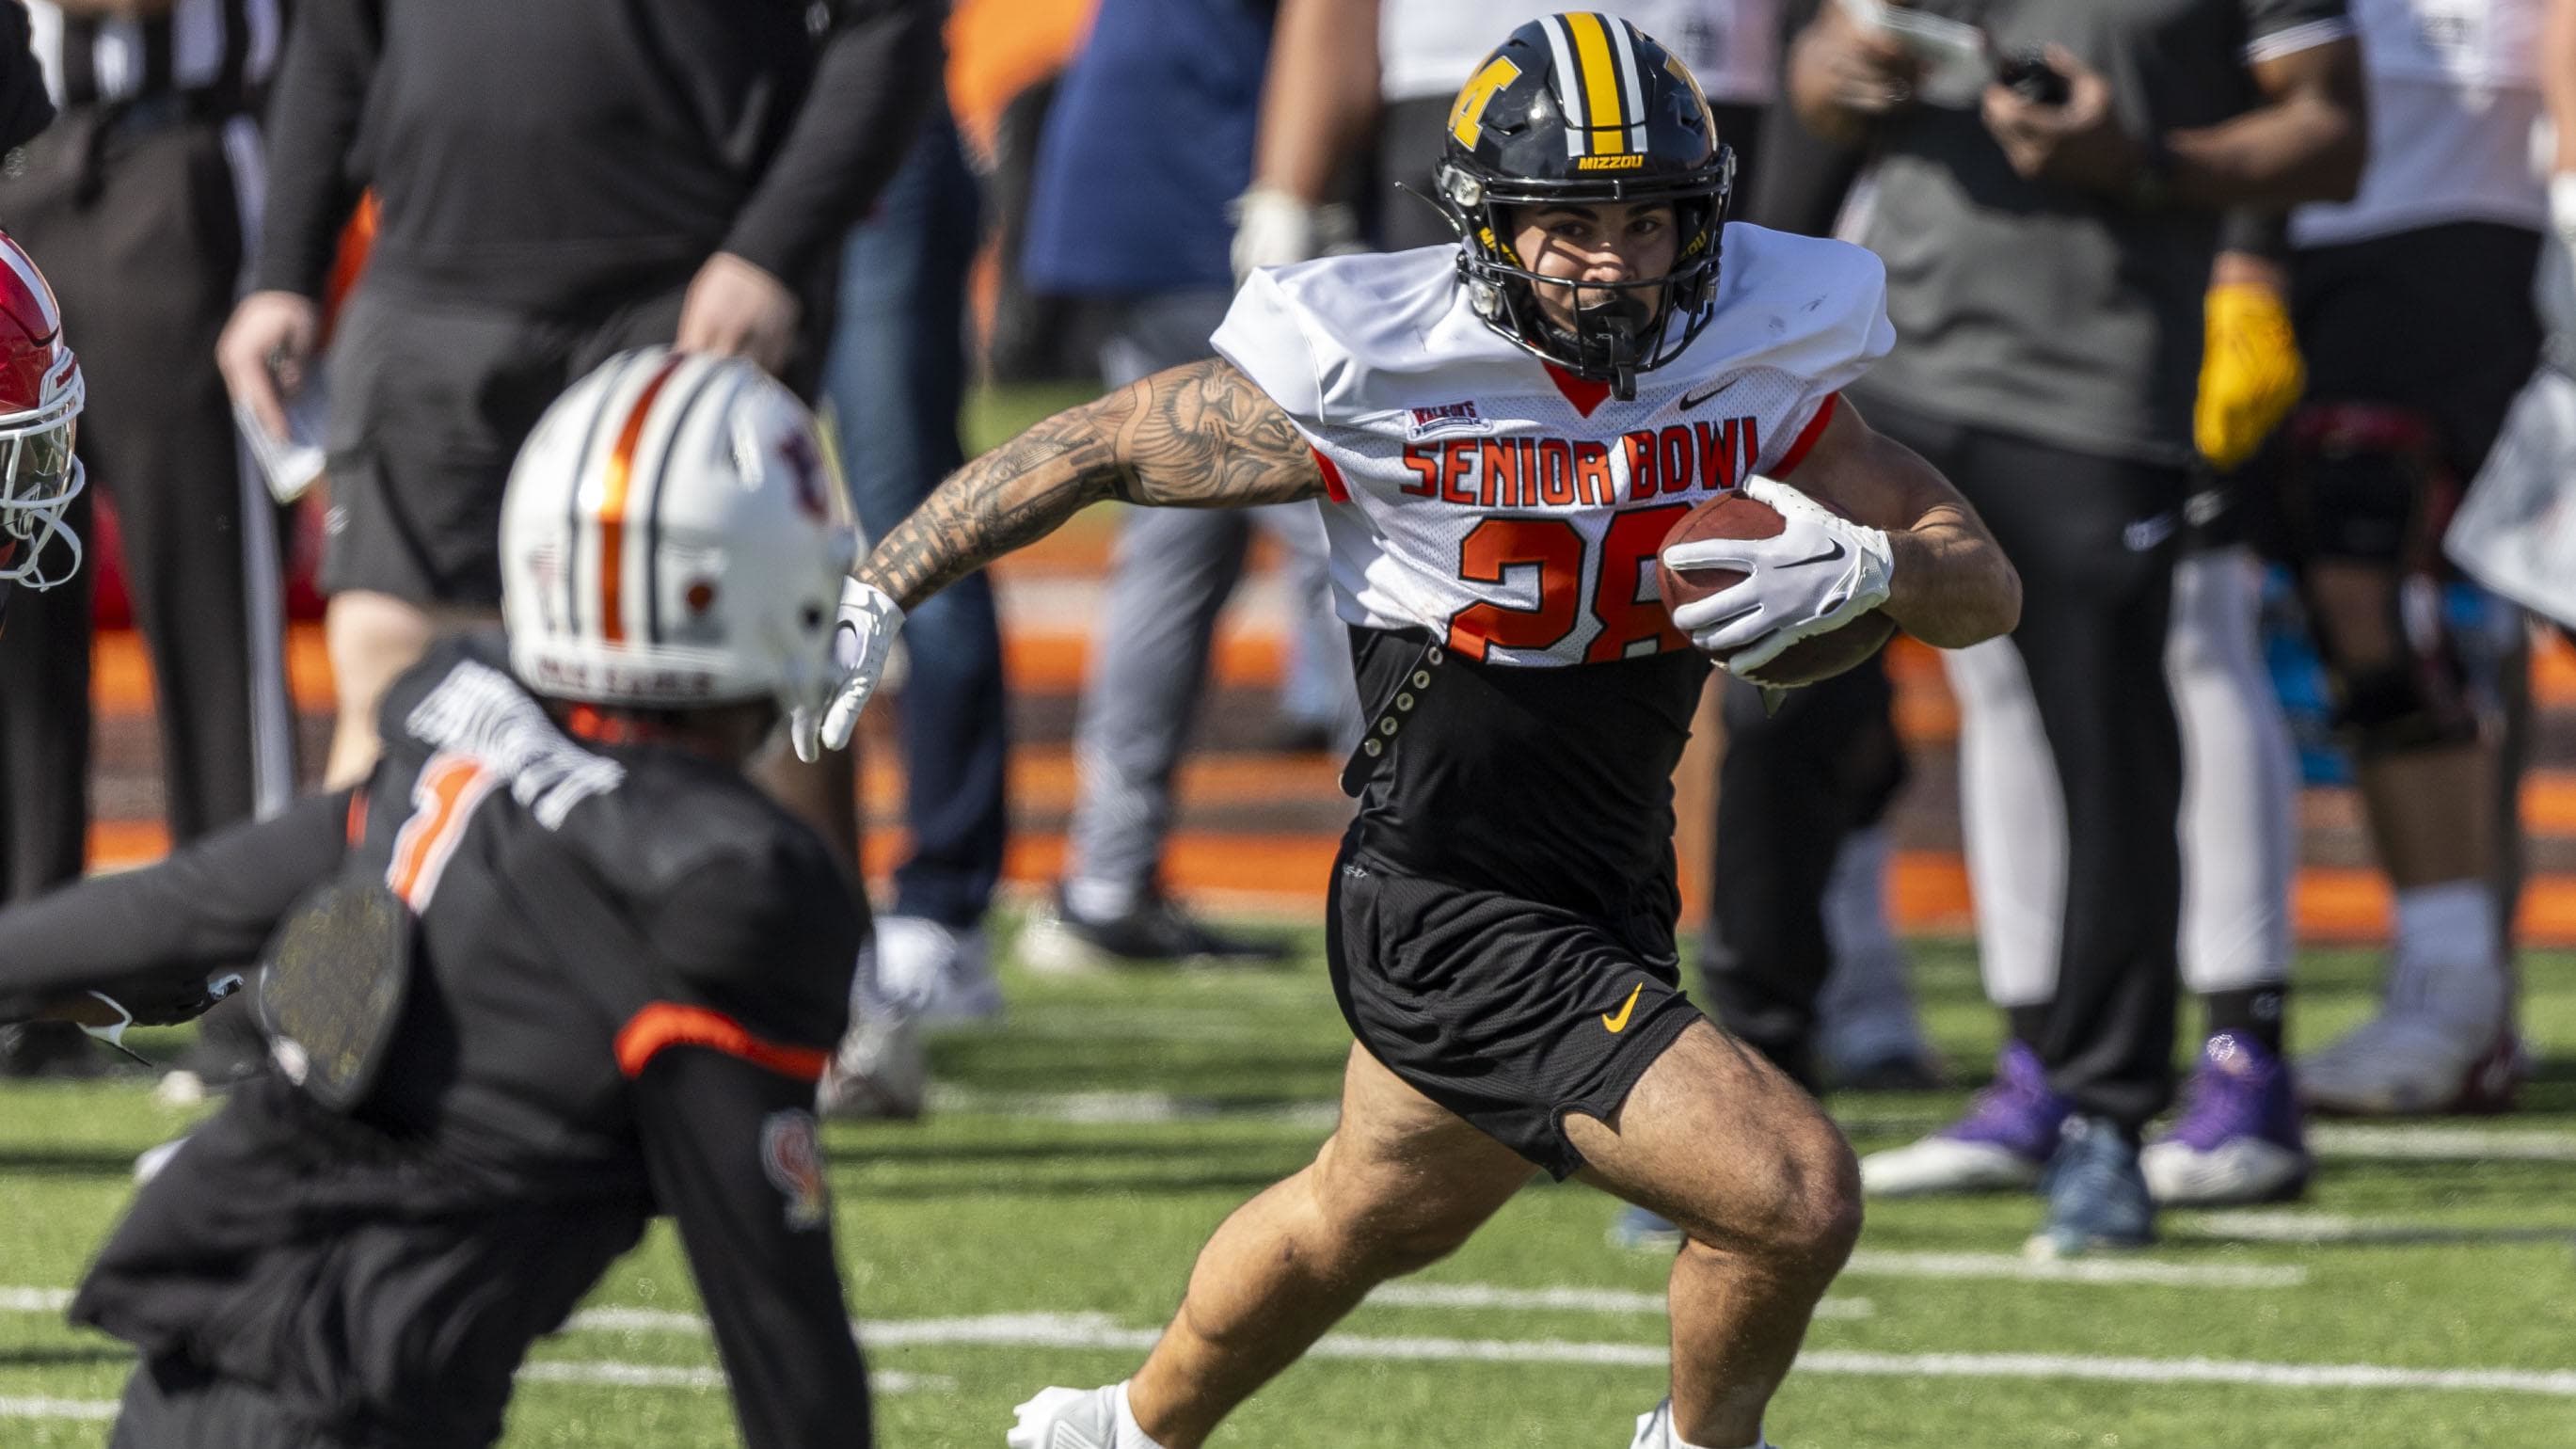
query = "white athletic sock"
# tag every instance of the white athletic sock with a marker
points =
(2448, 952)
(1130, 1435)
(1100, 900)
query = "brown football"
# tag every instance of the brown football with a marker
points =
(1734, 515)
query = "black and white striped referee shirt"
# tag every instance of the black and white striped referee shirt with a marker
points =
(220, 52)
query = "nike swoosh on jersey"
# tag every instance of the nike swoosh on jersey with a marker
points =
(1619, 1023)
(1688, 402)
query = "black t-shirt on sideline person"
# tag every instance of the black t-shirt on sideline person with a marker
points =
(550, 155)
(2042, 311)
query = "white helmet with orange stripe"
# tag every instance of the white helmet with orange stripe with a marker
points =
(671, 538)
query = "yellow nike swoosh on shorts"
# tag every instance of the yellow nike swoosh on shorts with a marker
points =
(1619, 1023)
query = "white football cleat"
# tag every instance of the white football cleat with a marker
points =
(1655, 1430)
(936, 972)
(1078, 1419)
(2408, 1064)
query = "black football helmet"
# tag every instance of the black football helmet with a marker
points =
(1582, 109)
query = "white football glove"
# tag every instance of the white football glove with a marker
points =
(861, 640)
(1274, 228)
(1814, 576)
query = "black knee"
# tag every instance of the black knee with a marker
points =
(2367, 496)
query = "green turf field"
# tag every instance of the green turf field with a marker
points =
(1037, 1229)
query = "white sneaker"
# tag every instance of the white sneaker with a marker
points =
(936, 972)
(879, 1071)
(1655, 1430)
(2406, 1063)
(1078, 1419)
(1946, 1165)
(2238, 1170)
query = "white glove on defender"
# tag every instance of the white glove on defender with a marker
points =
(869, 620)
(1814, 576)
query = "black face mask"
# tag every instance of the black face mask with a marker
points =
(1612, 338)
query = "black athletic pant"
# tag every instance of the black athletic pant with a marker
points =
(2094, 539)
(136, 225)
(169, 1404)
(1791, 786)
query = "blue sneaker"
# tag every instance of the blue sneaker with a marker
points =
(2097, 1198)
(1640, 1231)
(2239, 1137)
(2003, 1142)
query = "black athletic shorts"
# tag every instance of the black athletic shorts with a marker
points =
(2438, 319)
(1505, 1011)
(429, 403)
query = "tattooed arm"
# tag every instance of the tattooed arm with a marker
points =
(1196, 436)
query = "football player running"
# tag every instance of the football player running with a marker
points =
(1501, 435)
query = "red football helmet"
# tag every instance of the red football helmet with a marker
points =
(40, 403)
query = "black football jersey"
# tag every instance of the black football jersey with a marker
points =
(632, 966)
(1553, 785)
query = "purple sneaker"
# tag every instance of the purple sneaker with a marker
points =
(2003, 1142)
(2238, 1140)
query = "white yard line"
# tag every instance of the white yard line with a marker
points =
(1128, 1109)
(1575, 1300)
(2440, 1144)
(1870, 1263)
(12, 1407)
(2555, 1383)
(1097, 1332)
(2292, 1226)
(665, 1376)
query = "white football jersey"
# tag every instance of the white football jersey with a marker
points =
(1506, 506)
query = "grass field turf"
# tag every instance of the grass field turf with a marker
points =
(1082, 1150)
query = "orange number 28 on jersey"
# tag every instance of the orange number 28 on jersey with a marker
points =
(1624, 598)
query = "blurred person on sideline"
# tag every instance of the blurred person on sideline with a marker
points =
(141, 197)
(896, 377)
(557, 183)
(2099, 159)
(1124, 218)
(2414, 304)
(554, 969)
(2517, 530)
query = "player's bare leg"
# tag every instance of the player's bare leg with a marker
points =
(1767, 1195)
(371, 638)
(1400, 1184)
